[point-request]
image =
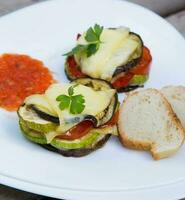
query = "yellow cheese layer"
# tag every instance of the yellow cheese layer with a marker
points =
(116, 48)
(95, 102)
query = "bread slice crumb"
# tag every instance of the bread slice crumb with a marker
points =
(147, 122)
(176, 97)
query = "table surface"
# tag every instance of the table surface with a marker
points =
(173, 11)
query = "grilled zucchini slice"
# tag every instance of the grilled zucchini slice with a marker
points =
(33, 121)
(32, 135)
(81, 151)
(94, 140)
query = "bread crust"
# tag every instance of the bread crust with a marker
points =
(176, 90)
(143, 145)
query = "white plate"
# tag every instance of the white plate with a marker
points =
(46, 31)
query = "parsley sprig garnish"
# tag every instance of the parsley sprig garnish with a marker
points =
(75, 103)
(92, 36)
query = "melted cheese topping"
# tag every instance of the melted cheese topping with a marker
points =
(41, 102)
(95, 102)
(114, 51)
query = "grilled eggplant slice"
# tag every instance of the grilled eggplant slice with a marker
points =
(98, 84)
(79, 152)
(44, 115)
(40, 103)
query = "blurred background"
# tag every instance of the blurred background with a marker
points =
(172, 10)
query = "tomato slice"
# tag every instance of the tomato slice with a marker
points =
(73, 68)
(84, 127)
(142, 68)
(77, 131)
(123, 81)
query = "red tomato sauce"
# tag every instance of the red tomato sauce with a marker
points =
(21, 76)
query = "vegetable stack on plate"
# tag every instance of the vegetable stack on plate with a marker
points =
(116, 55)
(73, 119)
(77, 118)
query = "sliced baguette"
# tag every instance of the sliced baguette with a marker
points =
(176, 97)
(147, 122)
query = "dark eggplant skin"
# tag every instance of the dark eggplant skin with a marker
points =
(129, 88)
(92, 119)
(45, 116)
(55, 120)
(126, 67)
(94, 82)
(78, 152)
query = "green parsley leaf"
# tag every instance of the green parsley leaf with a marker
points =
(92, 49)
(98, 30)
(64, 101)
(92, 36)
(77, 104)
(71, 91)
(75, 50)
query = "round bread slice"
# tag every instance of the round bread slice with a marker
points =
(176, 97)
(147, 122)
